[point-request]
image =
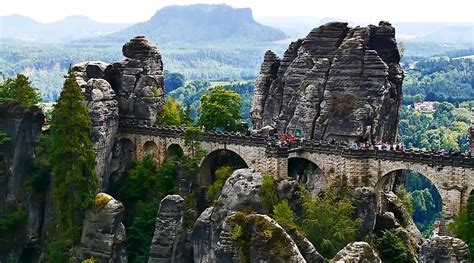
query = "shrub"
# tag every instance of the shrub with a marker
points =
(407, 203)
(463, 225)
(268, 193)
(140, 232)
(327, 222)
(214, 190)
(284, 215)
(392, 248)
(9, 225)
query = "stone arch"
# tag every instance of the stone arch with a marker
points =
(127, 152)
(174, 150)
(308, 173)
(151, 148)
(216, 159)
(398, 177)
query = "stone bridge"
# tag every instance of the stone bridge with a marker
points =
(453, 176)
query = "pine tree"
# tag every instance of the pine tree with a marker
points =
(72, 159)
(19, 89)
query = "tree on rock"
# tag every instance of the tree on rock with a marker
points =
(72, 158)
(220, 108)
(170, 113)
(19, 90)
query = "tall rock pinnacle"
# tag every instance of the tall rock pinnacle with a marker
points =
(338, 82)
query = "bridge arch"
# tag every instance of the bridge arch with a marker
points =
(216, 159)
(307, 173)
(151, 148)
(174, 150)
(429, 203)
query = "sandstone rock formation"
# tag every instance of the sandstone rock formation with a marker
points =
(131, 90)
(365, 202)
(23, 126)
(104, 112)
(338, 82)
(103, 234)
(213, 230)
(444, 249)
(357, 252)
(168, 241)
(138, 81)
(393, 215)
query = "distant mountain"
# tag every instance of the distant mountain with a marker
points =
(293, 26)
(67, 29)
(200, 23)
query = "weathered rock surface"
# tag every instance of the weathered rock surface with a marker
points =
(393, 215)
(444, 249)
(104, 112)
(23, 126)
(366, 209)
(357, 252)
(131, 90)
(138, 81)
(213, 230)
(168, 241)
(338, 82)
(103, 234)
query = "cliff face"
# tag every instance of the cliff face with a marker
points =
(338, 82)
(130, 90)
(22, 126)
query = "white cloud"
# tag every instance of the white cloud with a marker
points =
(141, 10)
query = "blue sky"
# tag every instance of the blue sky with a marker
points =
(140, 10)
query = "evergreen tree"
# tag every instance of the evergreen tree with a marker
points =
(19, 90)
(72, 159)
(220, 108)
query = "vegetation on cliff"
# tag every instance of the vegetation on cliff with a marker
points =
(327, 222)
(214, 190)
(463, 225)
(392, 248)
(72, 159)
(19, 90)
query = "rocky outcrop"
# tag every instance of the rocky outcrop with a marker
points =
(365, 202)
(22, 126)
(215, 238)
(444, 249)
(357, 252)
(103, 107)
(138, 81)
(338, 82)
(168, 241)
(393, 215)
(103, 234)
(131, 90)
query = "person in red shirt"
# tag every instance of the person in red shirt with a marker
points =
(292, 138)
(283, 137)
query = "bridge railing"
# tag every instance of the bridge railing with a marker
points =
(311, 146)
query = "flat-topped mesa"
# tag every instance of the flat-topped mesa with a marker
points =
(337, 83)
(138, 81)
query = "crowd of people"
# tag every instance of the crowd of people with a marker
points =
(293, 141)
